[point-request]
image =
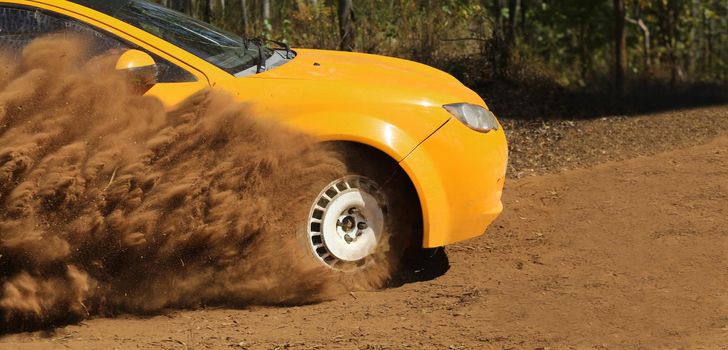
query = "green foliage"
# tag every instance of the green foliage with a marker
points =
(680, 40)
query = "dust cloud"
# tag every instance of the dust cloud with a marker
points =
(111, 204)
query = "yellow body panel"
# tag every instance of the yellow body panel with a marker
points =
(459, 175)
(390, 104)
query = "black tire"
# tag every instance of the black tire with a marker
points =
(402, 217)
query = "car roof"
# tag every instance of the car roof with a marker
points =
(108, 7)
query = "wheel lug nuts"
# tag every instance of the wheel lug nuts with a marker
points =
(362, 225)
(353, 211)
(348, 239)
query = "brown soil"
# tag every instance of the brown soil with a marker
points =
(548, 146)
(624, 254)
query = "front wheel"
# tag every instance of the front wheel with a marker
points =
(347, 223)
(361, 224)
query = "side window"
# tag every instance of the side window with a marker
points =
(17, 28)
(20, 25)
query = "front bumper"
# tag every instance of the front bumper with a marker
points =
(459, 175)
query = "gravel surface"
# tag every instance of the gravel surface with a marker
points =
(548, 146)
(622, 255)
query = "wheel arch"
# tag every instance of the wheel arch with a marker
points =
(383, 137)
(394, 138)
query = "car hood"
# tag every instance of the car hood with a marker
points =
(338, 65)
(388, 103)
(356, 71)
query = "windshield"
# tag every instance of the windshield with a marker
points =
(227, 51)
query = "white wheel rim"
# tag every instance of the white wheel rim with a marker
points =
(346, 222)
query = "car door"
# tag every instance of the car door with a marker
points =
(20, 24)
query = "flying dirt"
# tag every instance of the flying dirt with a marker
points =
(109, 203)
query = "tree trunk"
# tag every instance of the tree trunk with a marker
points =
(497, 9)
(524, 13)
(245, 18)
(710, 46)
(674, 16)
(645, 44)
(426, 30)
(265, 19)
(346, 25)
(203, 10)
(511, 30)
(265, 11)
(179, 5)
(620, 45)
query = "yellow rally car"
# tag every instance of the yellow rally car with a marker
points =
(397, 115)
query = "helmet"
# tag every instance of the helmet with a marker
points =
(139, 66)
(132, 59)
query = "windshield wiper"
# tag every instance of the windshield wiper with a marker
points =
(281, 44)
(261, 59)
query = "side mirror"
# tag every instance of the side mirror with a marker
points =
(139, 67)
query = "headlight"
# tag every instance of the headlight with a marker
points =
(474, 116)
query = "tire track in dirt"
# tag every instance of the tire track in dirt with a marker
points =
(621, 255)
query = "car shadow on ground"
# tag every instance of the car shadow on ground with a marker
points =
(422, 265)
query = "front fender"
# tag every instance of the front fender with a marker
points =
(397, 141)
(459, 176)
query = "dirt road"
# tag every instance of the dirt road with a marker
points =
(629, 254)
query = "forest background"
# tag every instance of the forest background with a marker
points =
(527, 58)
